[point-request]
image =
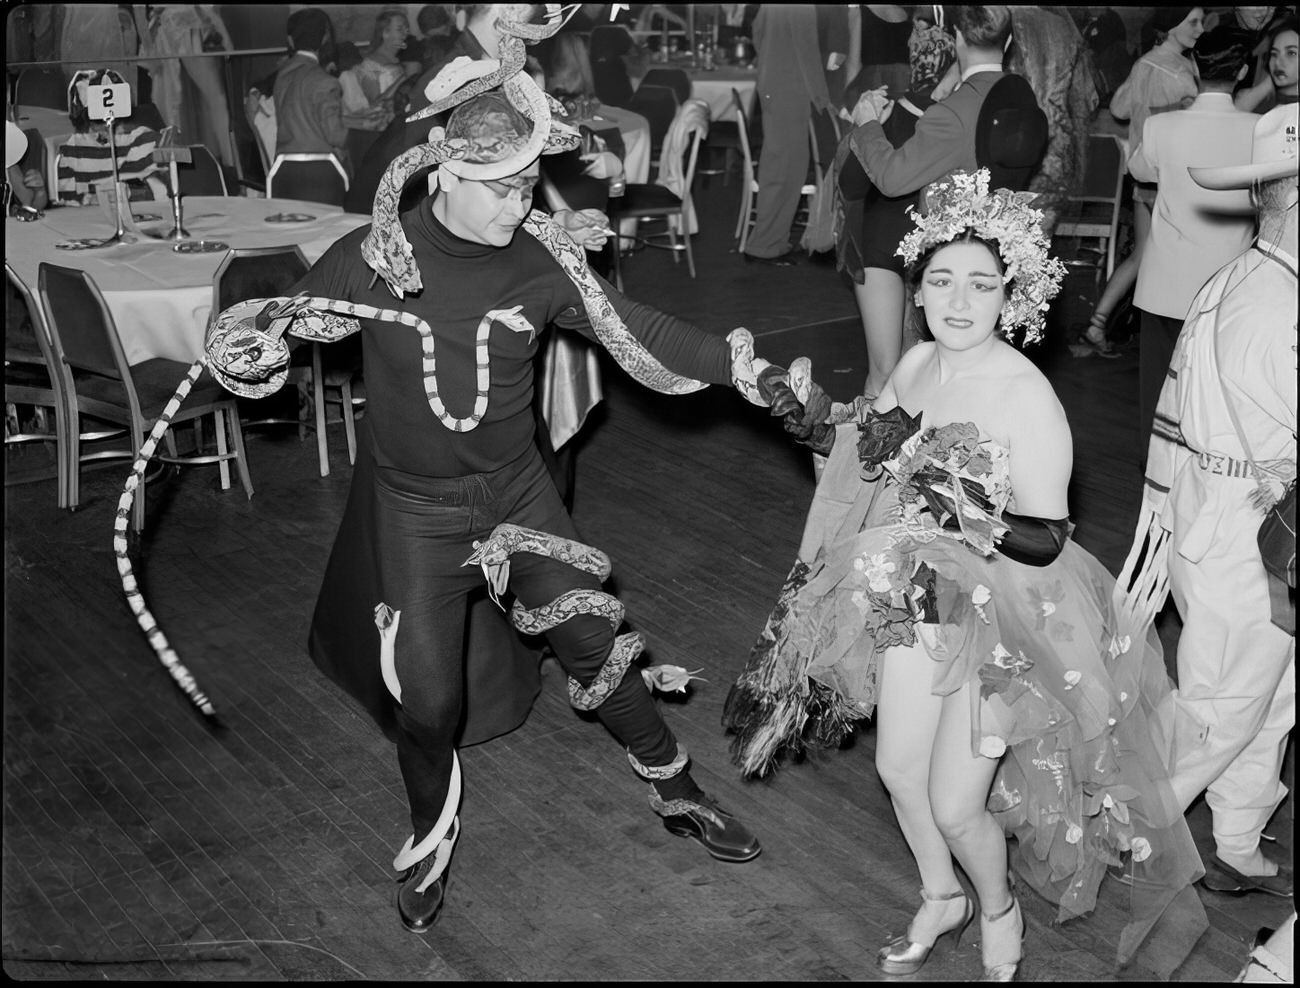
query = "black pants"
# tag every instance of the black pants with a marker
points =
(1155, 351)
(426, 532)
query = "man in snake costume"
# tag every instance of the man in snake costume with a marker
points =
(449, 486)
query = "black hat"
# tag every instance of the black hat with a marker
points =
(1011, 135)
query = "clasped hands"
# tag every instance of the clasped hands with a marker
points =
(874, 104)
(806, 419)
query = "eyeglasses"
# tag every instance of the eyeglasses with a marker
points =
(516, 188)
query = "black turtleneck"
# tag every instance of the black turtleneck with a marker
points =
(462, 281)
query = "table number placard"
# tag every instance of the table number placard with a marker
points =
(108, 100)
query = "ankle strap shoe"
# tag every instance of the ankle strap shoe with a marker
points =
(905, 956)
(1001, 939)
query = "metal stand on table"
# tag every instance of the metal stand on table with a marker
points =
(118, 234)
(173, 156)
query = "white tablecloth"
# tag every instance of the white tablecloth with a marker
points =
(161, 300)
(715, 89)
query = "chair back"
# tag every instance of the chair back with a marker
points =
(149, 115)
(310, 177)
(256, 272)
(259, 111)
(1103, 172)
(201, 175)
(36, 156)
(1094, 211)
(742, 130)
(675, 79)
(681, 147)
(606, 47)
(658, 105)
(25, 350)
(41, 87)
(80, 323)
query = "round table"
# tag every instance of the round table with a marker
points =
(161, 300)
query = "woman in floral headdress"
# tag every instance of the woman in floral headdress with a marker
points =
(938, 589)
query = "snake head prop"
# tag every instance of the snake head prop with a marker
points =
(246, 359)
(247, 347)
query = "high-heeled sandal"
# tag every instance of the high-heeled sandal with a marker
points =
(903, 955)
(1000, 944)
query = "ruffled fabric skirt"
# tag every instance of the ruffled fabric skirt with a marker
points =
(1079, 712)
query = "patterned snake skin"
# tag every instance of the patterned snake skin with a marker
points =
(494, 553)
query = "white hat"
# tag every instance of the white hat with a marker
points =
(1273, 154)
(15, 143)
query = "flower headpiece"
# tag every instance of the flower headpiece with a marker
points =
(963, 203)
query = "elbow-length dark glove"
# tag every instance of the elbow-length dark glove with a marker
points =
(1030, 540)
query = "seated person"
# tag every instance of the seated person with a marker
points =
(86, 161)
(24, 184)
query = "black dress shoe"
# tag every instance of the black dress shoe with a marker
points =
(720, 833)
(419, 910)
(787, 260)
(1222, 877)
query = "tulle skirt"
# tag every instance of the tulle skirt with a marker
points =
(1078, 709)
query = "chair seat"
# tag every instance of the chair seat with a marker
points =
(156, 381)
(639, 199)
(723, 134)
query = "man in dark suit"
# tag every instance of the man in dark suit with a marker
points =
(308, 100)
(792, 87)
(946, 135)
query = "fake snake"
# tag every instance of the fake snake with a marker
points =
(251, 360)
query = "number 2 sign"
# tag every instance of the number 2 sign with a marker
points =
(103, 101)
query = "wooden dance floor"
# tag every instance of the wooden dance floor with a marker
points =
(141, 844)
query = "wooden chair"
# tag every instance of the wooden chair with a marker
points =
(310, 177)
(320, 375)
(1094, 213)
(35, 376)
(104, 386)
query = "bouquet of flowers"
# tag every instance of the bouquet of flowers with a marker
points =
(950, 472)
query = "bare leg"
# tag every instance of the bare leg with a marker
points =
(206, 73)
(880, 304)
(1124, 277)
(907, 718)
(959, 790)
